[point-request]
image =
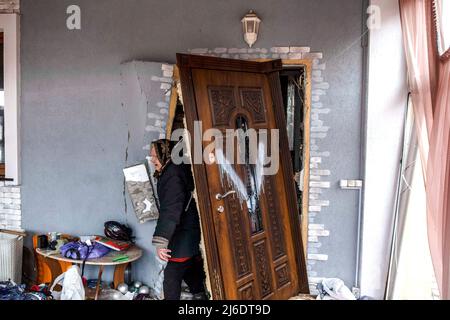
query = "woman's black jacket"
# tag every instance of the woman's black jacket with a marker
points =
(178, 226)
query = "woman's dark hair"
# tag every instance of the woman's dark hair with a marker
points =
(163, 150)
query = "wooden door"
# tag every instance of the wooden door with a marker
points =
(252, 235)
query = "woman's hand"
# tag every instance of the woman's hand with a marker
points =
(163, 254)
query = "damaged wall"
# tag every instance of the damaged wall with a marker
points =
(75, 129)
(145, 96)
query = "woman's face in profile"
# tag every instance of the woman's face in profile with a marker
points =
(154, 159)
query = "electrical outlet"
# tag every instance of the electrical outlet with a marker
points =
(351, 184)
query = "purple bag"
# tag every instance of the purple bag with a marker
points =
(79, 250)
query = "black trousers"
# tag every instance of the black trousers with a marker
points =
(190, 271)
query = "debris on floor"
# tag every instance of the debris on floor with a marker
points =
(135, 291)
(334, 289)
(304, 297)
(9, 290)
(112, 294)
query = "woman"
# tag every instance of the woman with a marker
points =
(177, 233)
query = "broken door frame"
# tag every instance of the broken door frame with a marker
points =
(307, 64)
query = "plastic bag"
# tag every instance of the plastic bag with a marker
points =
(334, 289)
(72, 285)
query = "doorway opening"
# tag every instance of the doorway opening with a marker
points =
(293, 88)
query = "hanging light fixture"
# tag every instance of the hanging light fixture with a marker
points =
(250, 26)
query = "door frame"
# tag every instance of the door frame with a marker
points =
(271, 68)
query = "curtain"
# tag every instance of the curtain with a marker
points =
(413, 19)
(437, 185)
(429, 82)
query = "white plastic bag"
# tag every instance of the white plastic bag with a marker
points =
(335, 289)
(72, 285)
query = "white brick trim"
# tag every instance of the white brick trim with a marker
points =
(10, 207)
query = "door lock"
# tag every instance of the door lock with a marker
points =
(223, 196)
(220, 209)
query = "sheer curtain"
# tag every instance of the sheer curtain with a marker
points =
(438, 180)
(429, 81)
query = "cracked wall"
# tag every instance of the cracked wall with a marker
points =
(145, 91)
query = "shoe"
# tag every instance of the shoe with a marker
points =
(199, 296)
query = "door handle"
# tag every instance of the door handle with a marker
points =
(223, 196)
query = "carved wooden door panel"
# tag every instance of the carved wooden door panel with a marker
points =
(250, 221)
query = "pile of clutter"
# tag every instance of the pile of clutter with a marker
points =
(136, 291)
(117, 237)
(74, 287)
(9, 290)
(139, 291)
(335, 289)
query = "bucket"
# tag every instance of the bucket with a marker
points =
(11, 248)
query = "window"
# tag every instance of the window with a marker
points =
(442, 8)
(9, 107)
(412, 278)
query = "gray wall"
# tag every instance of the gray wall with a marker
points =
(74, 128)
